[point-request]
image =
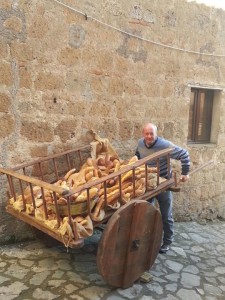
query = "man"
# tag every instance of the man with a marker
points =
(147, 145)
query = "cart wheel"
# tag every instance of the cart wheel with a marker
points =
(130, 243)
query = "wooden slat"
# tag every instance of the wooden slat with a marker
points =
(160, 188)
(41, 226)
(35, 181)
(49, 157)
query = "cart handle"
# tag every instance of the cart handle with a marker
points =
(201, 167)
(176, 188)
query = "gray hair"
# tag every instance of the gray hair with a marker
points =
(150, 125)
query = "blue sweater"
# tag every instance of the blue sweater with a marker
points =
(177, 153)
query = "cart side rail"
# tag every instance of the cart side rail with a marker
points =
(53, 156)
(125, 169)
(34, 181)
(69, 157)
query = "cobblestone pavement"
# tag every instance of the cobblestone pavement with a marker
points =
(193, 269)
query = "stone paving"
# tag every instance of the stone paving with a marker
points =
(193, 269)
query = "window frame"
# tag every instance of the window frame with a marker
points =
(212, 112)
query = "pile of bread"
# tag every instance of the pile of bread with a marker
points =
(107, 196)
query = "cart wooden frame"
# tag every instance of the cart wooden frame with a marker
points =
(21, 176)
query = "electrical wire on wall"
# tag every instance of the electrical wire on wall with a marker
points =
(136, 36)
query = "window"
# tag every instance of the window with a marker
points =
(200, 115)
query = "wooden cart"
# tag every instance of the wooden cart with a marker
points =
(132, 236)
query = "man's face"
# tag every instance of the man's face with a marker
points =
(149, 134)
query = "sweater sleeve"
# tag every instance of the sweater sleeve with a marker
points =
(137, 153)
(181, 154)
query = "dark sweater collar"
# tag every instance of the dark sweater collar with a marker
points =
(150, 146)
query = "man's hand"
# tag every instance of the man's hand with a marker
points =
(184, 178)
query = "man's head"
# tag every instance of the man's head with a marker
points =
(149, 133)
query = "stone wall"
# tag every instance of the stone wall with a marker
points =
(63, 73)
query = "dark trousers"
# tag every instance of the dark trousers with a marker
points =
(165, 200)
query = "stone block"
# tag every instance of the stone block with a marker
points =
(75, 83)
(6, 74)
(6, 4)
(5, 102)
(56, 105)
(69, 56)
(125, 129)
(137, 130)
(131, 87)
(66, 129)
(22, 51)
(100, 108)
(108, 128)
(104, 61)
(38, 28)
(37, 131)
(121, 108)
(14, 23)
(99, 84)
(39, 151)
(29, 107)
(25, 78)
(89, 57)
(116, 86)
(4, 49)
(7, 125)
(121, 66)
(105, 127)
(167, 90)
(48, 81)
(151, 89)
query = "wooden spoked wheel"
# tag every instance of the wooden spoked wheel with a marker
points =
(130, 243)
